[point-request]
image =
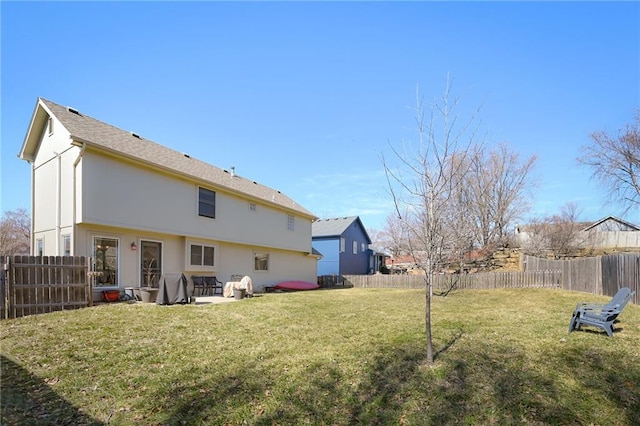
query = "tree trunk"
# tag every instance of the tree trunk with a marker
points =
(429, 295)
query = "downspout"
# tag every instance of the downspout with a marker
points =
(33, 206)
(73, 232)
(58, 203)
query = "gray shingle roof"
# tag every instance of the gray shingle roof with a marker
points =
(104, 136)
(331, 227)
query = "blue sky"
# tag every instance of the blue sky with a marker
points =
(305, 97)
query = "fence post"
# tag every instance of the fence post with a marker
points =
(6, 267)
(5, 286)
(88, 262)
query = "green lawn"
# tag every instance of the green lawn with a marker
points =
(336, 357)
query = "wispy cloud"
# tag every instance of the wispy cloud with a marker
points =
(359, 193)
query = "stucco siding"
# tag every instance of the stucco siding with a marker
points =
(124, 195)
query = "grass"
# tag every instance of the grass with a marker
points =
(339, 357)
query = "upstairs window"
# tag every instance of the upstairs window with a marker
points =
(343, 244)
(355, 247)
(206, 203)
(291, 222)
(50, 125)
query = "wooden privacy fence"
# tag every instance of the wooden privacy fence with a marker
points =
(602, 275)
(42, 284)
(488, 280)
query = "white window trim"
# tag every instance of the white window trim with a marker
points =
(187, 258)
(62, 244)
(92, 240)
(256, 253)
(215, 203)
(355, 247)
(39, 242)
(343, 245)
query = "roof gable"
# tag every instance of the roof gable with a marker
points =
(611, 223)
(121, 143)
(336, 227)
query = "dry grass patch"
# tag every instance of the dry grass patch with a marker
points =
(353, 356)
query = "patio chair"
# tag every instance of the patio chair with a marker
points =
(199, 285)
(213, 284)
(600, 315)
(620, 299)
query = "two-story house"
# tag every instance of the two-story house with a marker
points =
(344, 244)
(140, 209)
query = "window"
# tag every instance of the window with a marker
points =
(105, 261)
(363, 247)
(252, 207)
(261, 261)
(50, 125)
(355, 247)
(66, 245)
(206, 203)
(202, 255)
(39, 247)
(291, 222)
(343, 245)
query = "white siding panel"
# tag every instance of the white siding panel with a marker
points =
(66, 186)
(44, 212)
(57, 142)
(233, 259)
(283, 266)
(123, 195)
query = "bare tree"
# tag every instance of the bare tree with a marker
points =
(508, 181)
(557, 234)
(425, 183)
(393, 237)
(615, 162)
(15, 232)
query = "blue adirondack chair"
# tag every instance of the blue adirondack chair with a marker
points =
(600, 315)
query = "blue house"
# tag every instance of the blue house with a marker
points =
(344, 244)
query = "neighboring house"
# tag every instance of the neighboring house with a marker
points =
(612, 233)
(609, 224)
(344, 244)
(140, 209)
(607, 233)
